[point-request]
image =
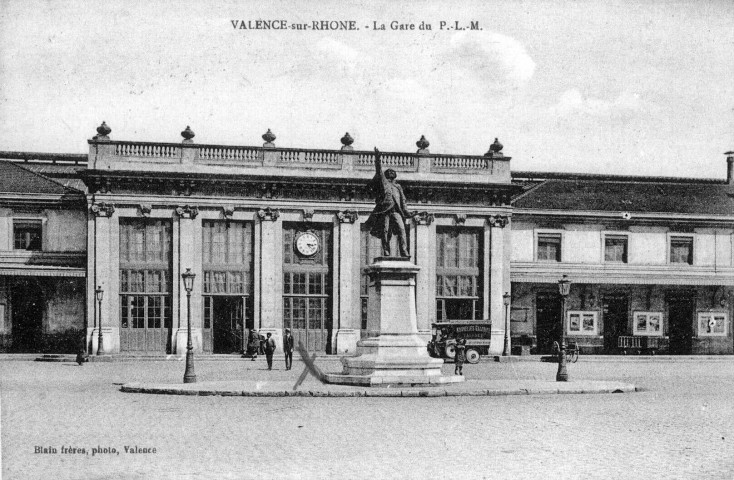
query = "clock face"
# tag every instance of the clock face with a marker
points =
(307, 244)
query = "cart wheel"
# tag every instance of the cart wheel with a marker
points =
(574, 356)
(472, 356)
(450, 351)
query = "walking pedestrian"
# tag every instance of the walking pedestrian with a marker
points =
(288, 348)
(269, 350)
(459, 356)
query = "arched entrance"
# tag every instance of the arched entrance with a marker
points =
(27, 315)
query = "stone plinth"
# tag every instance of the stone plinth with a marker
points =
(398, 355)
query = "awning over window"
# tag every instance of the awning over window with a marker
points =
(11, 270)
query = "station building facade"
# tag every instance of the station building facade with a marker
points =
(277, 239)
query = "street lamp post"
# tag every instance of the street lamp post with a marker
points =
(188, 279)
(99, 293)
(506, 298)
(564, 288)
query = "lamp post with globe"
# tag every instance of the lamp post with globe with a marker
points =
(564, 288)
(188, 279)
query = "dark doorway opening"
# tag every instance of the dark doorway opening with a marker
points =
(27, 306)
(680, 324)
(228, 325)
(548, 320)
(615, 320)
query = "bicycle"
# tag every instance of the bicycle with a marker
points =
(572, 351)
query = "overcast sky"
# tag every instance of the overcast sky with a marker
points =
(605, 87)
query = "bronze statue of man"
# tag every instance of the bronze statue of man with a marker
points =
(388, 217)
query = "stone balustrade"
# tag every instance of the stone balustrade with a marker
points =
(191, 157)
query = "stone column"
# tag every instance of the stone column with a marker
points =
(348, 332)
(271, 274)
(425, 257)
(497, 224)
(102, 275)
(187, 258)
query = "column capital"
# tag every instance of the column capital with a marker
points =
(228, 211)
(460, 218)
(347, 216)
(423, 218)
(145, 209)
(187, 211)
(308, 214)
(102, 209)
(498, 221)
(268, 213)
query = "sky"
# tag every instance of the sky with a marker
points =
(625, 87)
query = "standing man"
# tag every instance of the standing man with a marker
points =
(388, 217)
(269, 350)
(288, 348)
(459, 356)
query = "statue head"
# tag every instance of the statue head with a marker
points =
(390, 174)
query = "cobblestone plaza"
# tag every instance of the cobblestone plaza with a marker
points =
(679, 426)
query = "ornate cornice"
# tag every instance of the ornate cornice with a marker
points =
(102, 209)
(498, 221)
(187, 211)
(347, 216)
(268, 213)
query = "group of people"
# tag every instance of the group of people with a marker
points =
(259, 344)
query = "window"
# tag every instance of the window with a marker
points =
(582, 323)
(615, 248)
(27, 235)
(648, 323)
(458, 279)
(549, 247)
(712, 324)
(681, 250)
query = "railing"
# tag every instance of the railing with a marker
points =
(105, 153)
(147, 150)
(389, 160)
(460, 163)
(315, 157)
(231, 154)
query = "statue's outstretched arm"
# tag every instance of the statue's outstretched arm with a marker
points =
(378, 162)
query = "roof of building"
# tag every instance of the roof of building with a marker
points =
(624, 194)
(14, 178)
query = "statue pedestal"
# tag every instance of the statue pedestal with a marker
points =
(397, 356)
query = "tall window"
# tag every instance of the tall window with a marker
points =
(549, 247)
(27, 234)
(227, 257)
(307, 285)
(681, 250)
(615, 248)
(145, 277)
(458, 276)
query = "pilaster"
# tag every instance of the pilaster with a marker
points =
(104, 275)
(188, 257)
(425, 257)
(348, 331)
(271, 273)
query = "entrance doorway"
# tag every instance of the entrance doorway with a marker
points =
(225, 321)
(548, 321)
(27, 316)
(615, 320)
(680, 324)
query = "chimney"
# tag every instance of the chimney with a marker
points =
(729, 167)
